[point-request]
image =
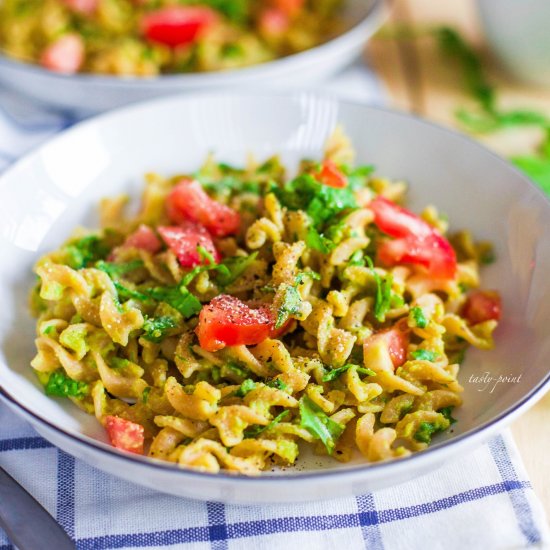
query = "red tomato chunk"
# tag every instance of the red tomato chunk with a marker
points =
(226, 321)
(124, 434)
(416, 242)
(65, 55)
(396, 341)
(143, 238)
(482, 305)
(189, 201)
(331, 175)
(177, 25)
(184, 241)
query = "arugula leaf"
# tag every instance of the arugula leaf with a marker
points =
(335, 373)
(447, 413)
(231, 184)
(118, 362)
(358, 176)
(277, 383)
(319, 201)
(357, 258)
(236, 370)
(116, 270)
(301, 277)
(85, 251)
(247, 386)
(254, 431)
(145, 395)
(454, 46)
(291, 305)
(156, 328)
(237, 11)
(178, 297)
(424, 355)
(318, 424)
(60, 385)
(383, 299)
(419, 317)
(129, 294)
(236, 266)
(317, 241)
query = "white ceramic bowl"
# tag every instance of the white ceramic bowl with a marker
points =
(517, 32)
(88, 93)
(57, 187)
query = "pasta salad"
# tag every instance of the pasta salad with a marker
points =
(151, 37)
(243, 314)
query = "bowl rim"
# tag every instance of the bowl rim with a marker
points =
(355, 33)
(476, 434)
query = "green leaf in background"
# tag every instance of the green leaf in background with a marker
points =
(489, 118)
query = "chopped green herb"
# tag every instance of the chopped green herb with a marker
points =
(277, 383)
(50, 330)
(126, 293)
(236, 266)
(358, 177)
(247, 386)
(291, 304)
(447, 413)
(116, 270)
(145, 395)
(425, 432)
(254, 431)
(85, 251)
(236, 11)
(303, 275)
(178, 297)
(318, 424)
(316, 241)
(419, 317)
(236, 370)
(60, 385)
(357, 258)
(384, 293)
(118, 363)
(319, 201)
(335, 373)
(156, 328)
(424, 355)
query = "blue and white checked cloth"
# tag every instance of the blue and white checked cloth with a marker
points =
(481, 500)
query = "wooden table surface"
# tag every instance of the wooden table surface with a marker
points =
(418, 79)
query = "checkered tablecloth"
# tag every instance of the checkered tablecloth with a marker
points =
(481, 500)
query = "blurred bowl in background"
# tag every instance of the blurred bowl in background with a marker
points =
(89, 93)
(518, 33)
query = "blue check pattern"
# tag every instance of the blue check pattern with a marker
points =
(102, 512)
(482, 500)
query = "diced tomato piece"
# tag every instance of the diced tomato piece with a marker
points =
(482, 305)
(86, 7)
(396, 339)
(188, 200)
(177, 25)
(289, 7)
(144, 238)
(227, 321)
(65, 55)
(397, 221)
(416, 242)
(124, 434)
(331, 175)
(273, 22)
(184, 241)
